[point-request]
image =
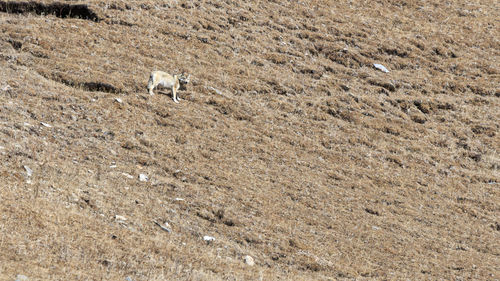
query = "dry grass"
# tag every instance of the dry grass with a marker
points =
(288, 145)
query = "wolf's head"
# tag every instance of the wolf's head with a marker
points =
(183, 80)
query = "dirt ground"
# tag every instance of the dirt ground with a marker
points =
(288, 145)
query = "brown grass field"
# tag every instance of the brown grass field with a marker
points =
(288, 145)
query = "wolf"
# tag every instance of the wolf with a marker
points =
(167, 80)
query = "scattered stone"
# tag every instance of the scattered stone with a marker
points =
(128, 175)
(46, 125)
(345, 87)
(375, 227)
(6, 88)
(380, 67)
(208, 239)
(128, 278)
(218, 92)
(373, 212)
(178, 199)
(120, 218)
(249, 260)
(143, 177)
(2, 147)
(118, 100)
(29, 172)
(21, 277)
(165, 227)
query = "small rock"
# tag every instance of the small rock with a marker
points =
(128, 278)
(249, 260)
(208, 239)
(118, 100)
(165, 227)
(120, 218)
(215, 90)
(128, 175)
(179, 199)
(2, 147)
(143, 177)
(380, 67)
(21, 277)
(345, 87)
(29, 172)
(375, 227)
(6, 88)
(46, 125)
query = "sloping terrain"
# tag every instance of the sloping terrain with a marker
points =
(288, 145)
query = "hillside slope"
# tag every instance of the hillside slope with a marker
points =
(288, 145)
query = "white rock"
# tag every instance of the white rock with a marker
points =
(118, 100)
(380, 67)
(249, 260)
(143, 177)
(208, 239)
(215, 90)
(120, 218)
(29, 172)
(375, 227)
(21, 277)
(128, 175)
(46, 125)
(2, 147)
(165, 226)
(179, 199)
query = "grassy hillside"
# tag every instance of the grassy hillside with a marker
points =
(288, 145)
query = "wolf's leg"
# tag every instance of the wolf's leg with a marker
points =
(151, 86)
(174, 95)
